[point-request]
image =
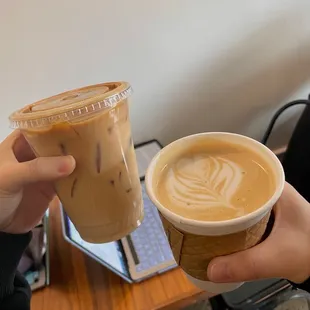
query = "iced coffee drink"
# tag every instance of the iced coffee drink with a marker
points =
(102, 196)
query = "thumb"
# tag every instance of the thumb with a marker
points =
(37, 170)
(258, 262)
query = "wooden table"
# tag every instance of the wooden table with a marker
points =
(78, 282)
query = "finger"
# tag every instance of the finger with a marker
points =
(259, 262)
(6, 147)
(22, 149)
(15, 148)
(290, 197)
(18, 175)
(11, 138)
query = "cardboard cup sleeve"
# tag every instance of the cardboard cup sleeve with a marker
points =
(193, 253)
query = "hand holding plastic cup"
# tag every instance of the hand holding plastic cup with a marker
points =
(102, 196)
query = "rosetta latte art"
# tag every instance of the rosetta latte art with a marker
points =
(203, 182)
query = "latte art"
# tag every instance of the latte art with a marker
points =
(214, 181)
(200, 182)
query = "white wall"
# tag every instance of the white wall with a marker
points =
(195, 65)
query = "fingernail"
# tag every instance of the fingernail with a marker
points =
(67, 165)
(218, 272)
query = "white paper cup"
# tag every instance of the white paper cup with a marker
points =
(220, 229)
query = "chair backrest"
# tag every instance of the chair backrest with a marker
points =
(296, 161)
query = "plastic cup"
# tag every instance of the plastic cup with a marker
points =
(102, 196)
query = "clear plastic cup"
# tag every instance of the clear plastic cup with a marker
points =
(102, 196)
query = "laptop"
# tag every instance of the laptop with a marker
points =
(140, 255)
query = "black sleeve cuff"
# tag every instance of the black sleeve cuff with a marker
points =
(12, 247)
(303, 286)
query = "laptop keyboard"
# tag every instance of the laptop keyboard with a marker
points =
(149, 239)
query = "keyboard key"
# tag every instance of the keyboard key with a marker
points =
(149, 239)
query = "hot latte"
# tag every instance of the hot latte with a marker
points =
(215, 180)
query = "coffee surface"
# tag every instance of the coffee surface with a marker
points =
(215, 181)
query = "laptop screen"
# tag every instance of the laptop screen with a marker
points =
(109, 254)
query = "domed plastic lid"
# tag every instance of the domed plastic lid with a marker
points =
(71, 105)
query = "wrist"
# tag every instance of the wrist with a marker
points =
(300, 266)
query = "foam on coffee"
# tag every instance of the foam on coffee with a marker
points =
(215, 180)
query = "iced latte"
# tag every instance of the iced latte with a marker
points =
(102, 196)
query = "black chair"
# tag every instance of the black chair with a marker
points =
(296, 160)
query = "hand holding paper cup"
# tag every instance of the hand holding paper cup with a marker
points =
(214, 192)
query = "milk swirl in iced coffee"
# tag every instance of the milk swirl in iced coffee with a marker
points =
(102, 196)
